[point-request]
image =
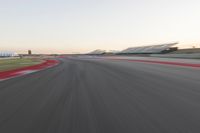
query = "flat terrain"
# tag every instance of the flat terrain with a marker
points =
(9, 64)
(102, 96)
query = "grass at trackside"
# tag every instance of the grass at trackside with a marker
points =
(10, 64)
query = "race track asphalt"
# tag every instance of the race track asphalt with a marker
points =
(102, 96)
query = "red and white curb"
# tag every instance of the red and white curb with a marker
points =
(194, 65)
(171, 63)
(27, 70)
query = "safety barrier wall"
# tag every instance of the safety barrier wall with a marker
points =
(186, 56)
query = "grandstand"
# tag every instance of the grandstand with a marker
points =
(153, 49)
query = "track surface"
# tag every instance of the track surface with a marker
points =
(102, 96)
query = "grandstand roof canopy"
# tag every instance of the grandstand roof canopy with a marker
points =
(148, 49)
(97, 52)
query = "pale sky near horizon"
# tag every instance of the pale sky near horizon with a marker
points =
(78, 26)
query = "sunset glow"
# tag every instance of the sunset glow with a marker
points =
(79, 26)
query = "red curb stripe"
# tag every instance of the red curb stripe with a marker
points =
(162, 62)
(21, 71)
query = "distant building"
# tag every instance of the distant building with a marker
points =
(8, 54)
(29, 52)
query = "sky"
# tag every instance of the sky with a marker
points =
(80, 26)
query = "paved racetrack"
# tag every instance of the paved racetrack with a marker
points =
(102, 96)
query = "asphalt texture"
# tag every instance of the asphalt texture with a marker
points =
(102, 96)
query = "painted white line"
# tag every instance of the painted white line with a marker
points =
(25, 72)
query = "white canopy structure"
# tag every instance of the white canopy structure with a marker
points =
(97, 52)
(8, 54)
